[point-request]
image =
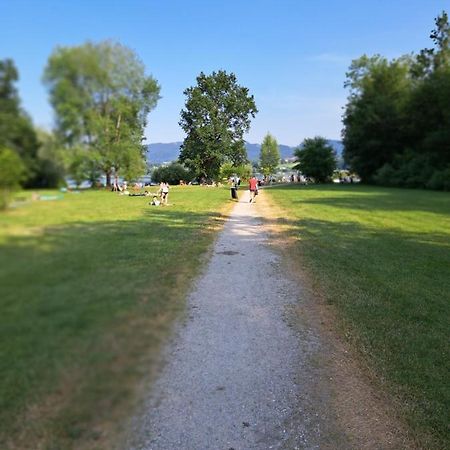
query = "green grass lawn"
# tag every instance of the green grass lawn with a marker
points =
(89, 286)
(382, 257)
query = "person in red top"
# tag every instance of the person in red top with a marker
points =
(253, 187)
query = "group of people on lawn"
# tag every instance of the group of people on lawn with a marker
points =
(162, 196)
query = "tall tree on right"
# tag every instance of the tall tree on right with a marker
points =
(374, 118)
(429, 105)
(316, 159)
(397, 118)
(269, 157)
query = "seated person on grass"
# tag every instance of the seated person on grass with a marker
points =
(155, 201)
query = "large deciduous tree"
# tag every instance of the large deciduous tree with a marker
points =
(429, 106)
(316, 159)
(397, 119)
(16, 129)
(269, 157)
(101, 97)
(374, 119)
(217, 114)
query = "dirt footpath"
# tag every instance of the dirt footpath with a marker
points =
(250, 368)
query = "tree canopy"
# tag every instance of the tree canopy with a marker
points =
(397, 118)
(375, 114)
(16, 129)
(12, 173)
(172, 174)
(101, 97)
(269, 157)
(217, 114)
(316, 159)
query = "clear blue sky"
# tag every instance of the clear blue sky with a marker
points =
(291, 54)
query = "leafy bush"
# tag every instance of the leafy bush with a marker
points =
(172, 174)
(408, 170)
(228, 170)
(386, 176)
(316, 159)
(440, 180)
(12, 173)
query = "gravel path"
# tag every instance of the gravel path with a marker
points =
(239, 373)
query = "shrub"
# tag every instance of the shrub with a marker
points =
(242, 171)
(316, 159)
(172, 174)
(408, 170)
(440, 180)
(386, 175)
(12, 173)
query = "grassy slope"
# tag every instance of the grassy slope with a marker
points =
(89, 285)
(382, 256)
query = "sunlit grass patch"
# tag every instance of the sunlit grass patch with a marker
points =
(89, 286)
(382, 257)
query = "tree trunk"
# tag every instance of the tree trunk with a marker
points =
(108, 178)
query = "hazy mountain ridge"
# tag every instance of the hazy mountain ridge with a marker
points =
(158, 153)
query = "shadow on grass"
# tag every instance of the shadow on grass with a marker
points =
(391, 288)
(82, 306)
(370, 198)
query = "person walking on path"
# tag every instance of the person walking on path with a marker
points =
(236, 374)
(233, 189)
(248, 367)
(253, 188)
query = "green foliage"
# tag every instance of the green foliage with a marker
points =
(229, 170)
(101, 97)
(381, 257)
(16, 129)
(269, 158)
(316, 159)
(216, 116)
(408, 169)
(440, 180)
(429, 117)
(12, 173)
(386, 176)
(50, 160)
(79, 163)
(172, 174)
(375, 118)
(132, 163)
(397, 119)
(11, 169)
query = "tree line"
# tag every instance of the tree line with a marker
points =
(397, 118)
(101, 97)
(396, 121)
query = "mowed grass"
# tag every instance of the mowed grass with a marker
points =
(89, 286)
(382, 257)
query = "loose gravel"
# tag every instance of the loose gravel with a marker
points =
(240, 372)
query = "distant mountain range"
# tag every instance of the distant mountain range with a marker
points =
(159, 153)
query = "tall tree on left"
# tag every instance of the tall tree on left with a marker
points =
(16, 129)
(102, 97)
